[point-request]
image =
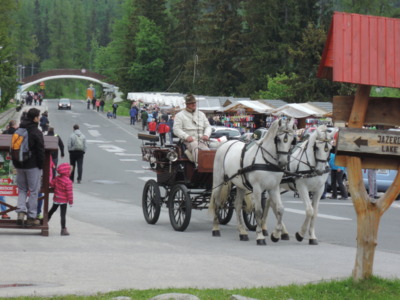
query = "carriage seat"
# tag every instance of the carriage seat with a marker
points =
(185, 151)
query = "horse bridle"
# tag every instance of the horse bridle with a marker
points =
(325, 140)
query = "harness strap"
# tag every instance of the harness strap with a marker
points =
(253, 167)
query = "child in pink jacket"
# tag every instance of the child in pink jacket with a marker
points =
(63, 194)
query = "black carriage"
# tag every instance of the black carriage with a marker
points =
(180, 185)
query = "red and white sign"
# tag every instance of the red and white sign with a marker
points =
(6, 180)
(8, 190)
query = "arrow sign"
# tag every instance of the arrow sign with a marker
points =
(6, 180)
(360, 142)
(355, 141)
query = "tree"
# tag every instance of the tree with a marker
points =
(183, 42)
(8, 84)
(271, 28)
(23, 38)
(147, 68)
(218, 50)
(278, 87)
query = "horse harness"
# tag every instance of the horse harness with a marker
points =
(291, 179)
(267, 166)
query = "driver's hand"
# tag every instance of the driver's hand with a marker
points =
(189, 139)
(205, 138)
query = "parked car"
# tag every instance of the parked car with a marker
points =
(256, 135)
(229, 132)
(64, 104)
(384, 179)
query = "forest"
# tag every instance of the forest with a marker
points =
(262, 49)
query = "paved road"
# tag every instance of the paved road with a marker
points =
(112, 248)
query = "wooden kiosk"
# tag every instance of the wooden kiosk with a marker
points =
(365, 50)
(51, 143)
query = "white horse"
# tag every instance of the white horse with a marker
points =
(258, 168)
(308, 164)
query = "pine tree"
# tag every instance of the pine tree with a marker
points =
(8, 85)
(183, 45)
(219, 48)
(147, 69)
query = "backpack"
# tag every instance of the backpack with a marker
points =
(19, 149)
(79, 144)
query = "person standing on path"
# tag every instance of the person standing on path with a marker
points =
(102, 103)
(144, 116)
(133, 112)
(63, 194)
(29, 172)
(114, 107)
(77, 150)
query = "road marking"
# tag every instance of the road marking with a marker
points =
(147, 178)
(128, 159)
(396, 205)
(323, 202)
(112, 148)
(127, 154)
(136, 171)
(94, 133)
(90, 125)
(302, 212)
(98, 142)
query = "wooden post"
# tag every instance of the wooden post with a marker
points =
(369, 211)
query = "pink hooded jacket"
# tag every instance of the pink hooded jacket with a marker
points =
(63, 193)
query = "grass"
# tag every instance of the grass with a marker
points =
(374, 288)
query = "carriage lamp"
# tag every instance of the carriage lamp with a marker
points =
(153, 161)
(172, 155)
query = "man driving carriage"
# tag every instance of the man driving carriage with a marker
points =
(192, 127)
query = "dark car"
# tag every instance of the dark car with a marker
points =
(64, 104)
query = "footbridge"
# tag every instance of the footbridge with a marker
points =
(82, 74)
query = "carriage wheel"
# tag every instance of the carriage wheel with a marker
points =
(250, 218)
(180, 207)
(225, 213)
(151, 201)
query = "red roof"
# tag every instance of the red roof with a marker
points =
(362, 50)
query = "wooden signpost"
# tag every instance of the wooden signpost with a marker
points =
(353, 141)
(364, 50)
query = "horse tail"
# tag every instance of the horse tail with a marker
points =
(211, 206)
(248, 201)
(225, 191)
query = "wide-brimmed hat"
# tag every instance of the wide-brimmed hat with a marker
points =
(189, 98)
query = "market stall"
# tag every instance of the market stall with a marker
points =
(245, 115)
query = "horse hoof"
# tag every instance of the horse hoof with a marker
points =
(265, 232)
(285, 237)
(299, 237)
(216, 233)
(313, 242)
(261, 242)
(244, 237)
(274, 239)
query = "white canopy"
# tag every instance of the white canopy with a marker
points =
(299, 110)
(249, 106)
(161, 99)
